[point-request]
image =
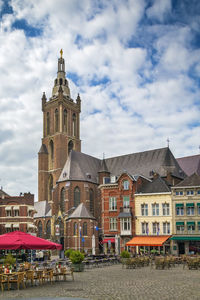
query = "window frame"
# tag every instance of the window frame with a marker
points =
(113, 224)
(126, 185)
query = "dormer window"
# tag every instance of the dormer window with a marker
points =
(126, 185)
(179, 193)
(106, 180)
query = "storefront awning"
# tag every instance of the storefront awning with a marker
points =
(16, 207)
(8, 225)
(189, 204)
(8, 208)
(112, 240)
(198, 204)
(179, 223)
(148, 240)
(191, 223)
(185, 238)
(16, 225)
(179, 205)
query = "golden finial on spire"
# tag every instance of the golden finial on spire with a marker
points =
(61, 53)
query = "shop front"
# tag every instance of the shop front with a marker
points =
(185, 245)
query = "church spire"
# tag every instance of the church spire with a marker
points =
(61, 79)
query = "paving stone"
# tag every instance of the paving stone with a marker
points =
(115, 283)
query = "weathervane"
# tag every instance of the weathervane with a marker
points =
(61, 53)
(168, 142)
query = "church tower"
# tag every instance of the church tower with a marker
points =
(61, 133)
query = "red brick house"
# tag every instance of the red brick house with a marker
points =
(16, 213)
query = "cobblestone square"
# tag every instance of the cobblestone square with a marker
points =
(115, 282)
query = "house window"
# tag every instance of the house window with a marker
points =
(74, 125)
(75, 228)
(126, 224)
(16, 213)
(91, 201)
(198, 192)
(126, 201)
(198, 226)
(156, 228)
(106, 180)
(8, 213)
(144, 209)
(179, 193)
(180, 211)
(56, 120)
(84, 228)
(62, 200)
(180, 227)
(198, 208)
(190, 210)
(189, 193)
(126, 185)
(48, 229)
(145, 228)
(155, 209)
(65, 120)
(113, 224)
(112, 203)
(77, 196)
(165, 209)
(166, 228)
(191, 227)
(48, 123)
(40, 229)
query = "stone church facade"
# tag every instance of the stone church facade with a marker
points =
(74, 189)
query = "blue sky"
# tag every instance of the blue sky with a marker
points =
(135, 63)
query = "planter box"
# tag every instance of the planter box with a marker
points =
(78, 267)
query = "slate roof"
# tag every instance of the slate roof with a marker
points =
(161, 161)
(43, 149)
(158, 185)
(193, 180)
(43, 209)
(81, 212)
(190, 164)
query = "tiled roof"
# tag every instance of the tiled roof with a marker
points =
(80, 166)
(81, 212)
(193, 180)
(2, 193)
(43, 209)
(190, 164)
(158, 185)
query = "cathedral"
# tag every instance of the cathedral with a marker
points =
(84, 202)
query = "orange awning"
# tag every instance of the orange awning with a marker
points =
(148, 240)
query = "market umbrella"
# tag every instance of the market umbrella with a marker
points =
(17, 240)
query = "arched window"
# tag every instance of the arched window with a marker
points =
(60, 80)
(40, 229)
(75, 228)
(62, 200)
(77, 196)
(48, 229)
(51, 147)
(91, 200)
(84, 228)
(56, 120)
(50, 188)
(70, 146)
(48, 123)
(74, 125)
(65, 120)
(126, 185)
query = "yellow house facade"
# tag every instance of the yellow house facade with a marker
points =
(153, 214)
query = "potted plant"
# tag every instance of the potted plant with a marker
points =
(68, 252)
(77, 258)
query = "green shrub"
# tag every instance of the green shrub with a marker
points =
(68, 252)
(125, 254)
(76, 257)
(9, 260)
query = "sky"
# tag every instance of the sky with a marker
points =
(135, 63)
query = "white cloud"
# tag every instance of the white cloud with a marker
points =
(148, 94)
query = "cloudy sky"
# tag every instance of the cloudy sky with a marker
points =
(135, 63)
